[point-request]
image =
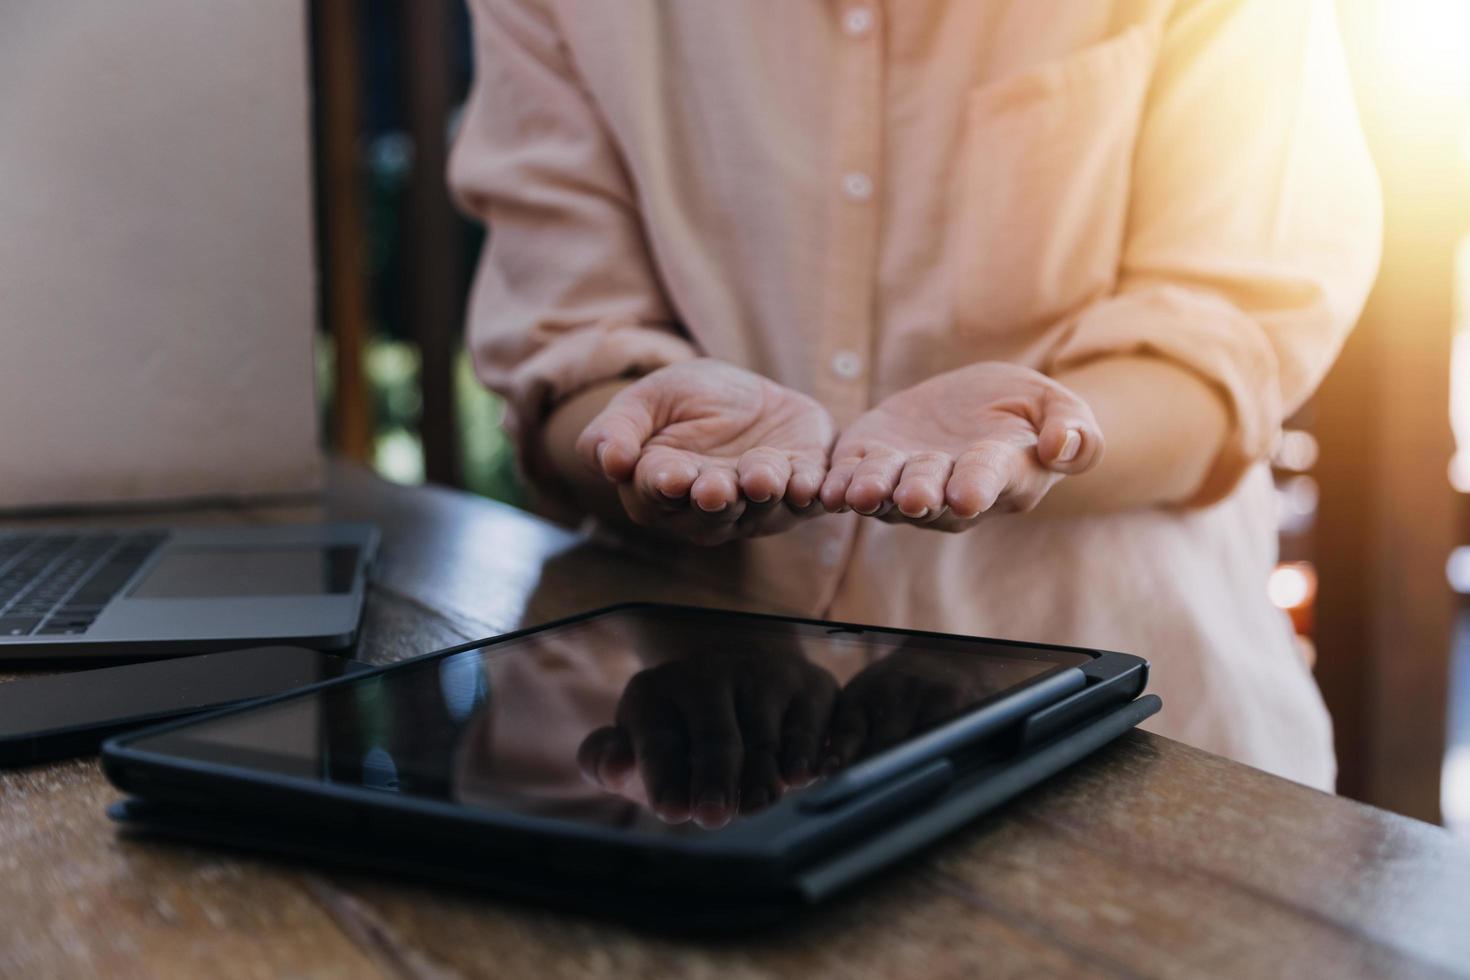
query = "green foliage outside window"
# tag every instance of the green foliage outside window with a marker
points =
(487, 457)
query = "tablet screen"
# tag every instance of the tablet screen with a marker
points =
(666, 720)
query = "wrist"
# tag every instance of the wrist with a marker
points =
(1165, 427)
(557, 458)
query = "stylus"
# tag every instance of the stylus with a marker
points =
(943, 741)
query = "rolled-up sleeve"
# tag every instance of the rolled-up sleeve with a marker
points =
(1254, 225)
(565, 295)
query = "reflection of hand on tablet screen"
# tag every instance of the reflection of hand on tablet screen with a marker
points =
(716, 733)
(903, 694)
(669, 721)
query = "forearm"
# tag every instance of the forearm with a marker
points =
(1164, 426)
(590, 490)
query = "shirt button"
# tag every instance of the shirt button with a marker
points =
(830, 553)
(847, 365)
(857, 186)
(858, 21)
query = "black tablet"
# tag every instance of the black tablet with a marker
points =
(681, 765)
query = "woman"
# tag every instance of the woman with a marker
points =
(851, 290)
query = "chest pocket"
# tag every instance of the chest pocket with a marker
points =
(1044, 186)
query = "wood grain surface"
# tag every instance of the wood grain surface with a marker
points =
(1150, 859)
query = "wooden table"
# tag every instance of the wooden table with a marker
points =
(1148, 859)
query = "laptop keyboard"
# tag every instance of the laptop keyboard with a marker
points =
(56, 584)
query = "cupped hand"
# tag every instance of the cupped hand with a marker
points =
(714, 734)
(708, 452)
(988, 438)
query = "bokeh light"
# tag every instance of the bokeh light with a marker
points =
(1292, 585)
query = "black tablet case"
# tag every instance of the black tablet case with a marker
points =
(972, 795)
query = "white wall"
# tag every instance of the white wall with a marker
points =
(157, 294)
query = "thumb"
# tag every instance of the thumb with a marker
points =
(606, 758)
(1070, 440)
(612, 442)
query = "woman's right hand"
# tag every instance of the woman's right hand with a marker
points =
(708, 452)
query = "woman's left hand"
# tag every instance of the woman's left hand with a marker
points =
(988, 438)
(708, 452)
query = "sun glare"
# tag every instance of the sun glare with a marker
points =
(1428, 44)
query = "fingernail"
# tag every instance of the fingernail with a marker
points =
(867, 513)
(602, 448)
(711, 811)
(923, 513)
(1071, 444)
(714, 510)
(672, 808)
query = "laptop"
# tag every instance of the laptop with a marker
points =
(126, 593)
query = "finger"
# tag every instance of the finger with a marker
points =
(759, 708)
(802, 731)
(1029, 483)
(848, 734)
(805, 483)
(663, 757)
(920, 491)
(834, 488)
(639, 506)
(716, 755)
(980, 476)
(1070, 441)
(760, 781)
(606, 758)
(874, 481)
(660, 744)
(763, 474)
(613, 440)
(671, 518)
(680, 522)
(665, 475)
(715, 490)
(948, 523)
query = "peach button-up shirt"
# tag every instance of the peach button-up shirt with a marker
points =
(850, 196)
